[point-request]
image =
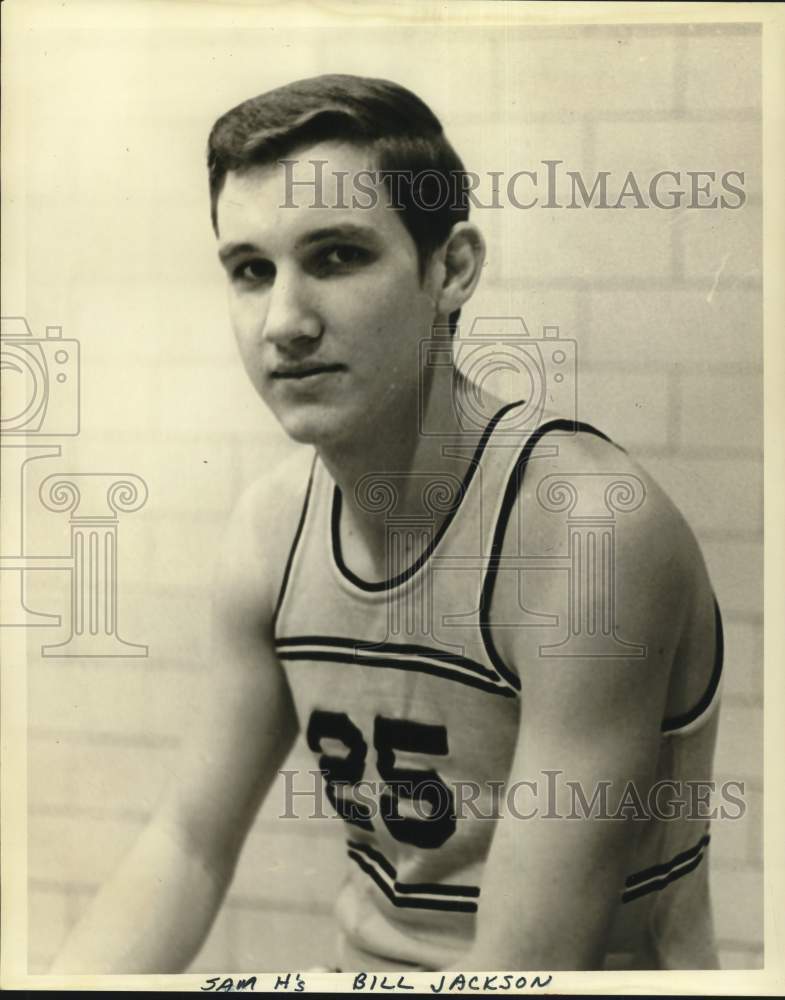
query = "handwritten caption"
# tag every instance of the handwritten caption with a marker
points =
(365, 982)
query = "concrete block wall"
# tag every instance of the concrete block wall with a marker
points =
(664, 307)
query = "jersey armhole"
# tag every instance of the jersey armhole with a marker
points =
(687, 722)
(511, 492)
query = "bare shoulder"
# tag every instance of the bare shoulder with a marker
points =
(581, 485)
(591, 479)
(273, 501)
(610, 552)
(259, 535)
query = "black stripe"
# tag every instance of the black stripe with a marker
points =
(293, 549)
(508, 502)
(377, 856)
(450, 905)
(399, 649)
(381, 585)
(660, 884)
(665, 867)
(679, 721)
(412, 665)
(369, 870)
(432, 888)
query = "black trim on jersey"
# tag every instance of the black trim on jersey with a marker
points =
(658, 877)
(405, 656)
(397, 649)
(510, 496)
(381, 585)
(412, 664)
(375, 855)
(410, 894)
(680, 721)
(293, 549)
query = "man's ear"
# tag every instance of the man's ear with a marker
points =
(462, 257)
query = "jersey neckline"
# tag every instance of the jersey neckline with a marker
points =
(378, 586)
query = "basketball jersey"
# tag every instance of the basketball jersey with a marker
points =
(411, 712)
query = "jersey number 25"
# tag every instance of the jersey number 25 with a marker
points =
(432, 800)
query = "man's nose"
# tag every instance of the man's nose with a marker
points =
(290, 316)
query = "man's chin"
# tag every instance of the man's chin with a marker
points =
(311, 428)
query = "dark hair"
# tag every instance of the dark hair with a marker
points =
(401, 131)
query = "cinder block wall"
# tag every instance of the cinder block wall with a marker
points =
(664, 307)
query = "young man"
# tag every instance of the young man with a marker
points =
(434, 606)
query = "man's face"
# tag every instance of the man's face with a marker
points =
(327, 303)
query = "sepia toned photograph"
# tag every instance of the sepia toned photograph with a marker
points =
(383, 497)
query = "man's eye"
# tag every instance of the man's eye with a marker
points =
(344, 255)
(254, 271)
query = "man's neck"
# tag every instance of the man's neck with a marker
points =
(385, 471)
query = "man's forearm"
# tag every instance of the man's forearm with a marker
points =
(548, 893)
(561, 953)
(152, 915)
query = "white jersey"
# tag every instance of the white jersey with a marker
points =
(403, 698)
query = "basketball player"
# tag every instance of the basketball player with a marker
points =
(504, 676)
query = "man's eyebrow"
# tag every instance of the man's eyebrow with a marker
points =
(232, 249)
(347, 230)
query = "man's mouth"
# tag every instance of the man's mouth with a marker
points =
(305, 371)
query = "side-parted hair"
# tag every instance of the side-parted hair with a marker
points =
(403, 135)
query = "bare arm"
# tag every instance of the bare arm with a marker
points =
(153, 914)
(552, 884)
